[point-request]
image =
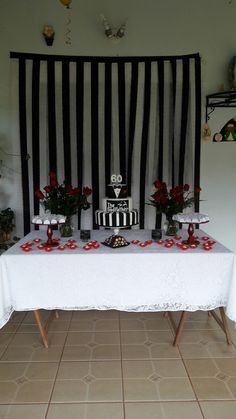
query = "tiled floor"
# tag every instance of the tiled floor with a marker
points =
(110, 365)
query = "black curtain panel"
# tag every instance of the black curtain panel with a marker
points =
(87, 118)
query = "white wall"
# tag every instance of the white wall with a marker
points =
(163, 27)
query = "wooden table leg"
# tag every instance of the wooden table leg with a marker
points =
(180, 327)
(41, 328)
(226, 327)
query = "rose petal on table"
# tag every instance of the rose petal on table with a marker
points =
(48, 249)
(61, 247)
(40, 247)
(26, 249)
(143, 244)
(207, 248)
(87, 247)
(135, 241)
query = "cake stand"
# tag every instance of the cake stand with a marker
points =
(191, 219)
(49, 220)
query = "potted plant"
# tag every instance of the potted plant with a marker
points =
(7, 225)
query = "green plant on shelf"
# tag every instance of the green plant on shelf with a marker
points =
(7, 218)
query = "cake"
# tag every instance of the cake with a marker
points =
(117, 208)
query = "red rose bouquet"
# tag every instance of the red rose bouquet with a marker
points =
(63, 198)
(174, 200)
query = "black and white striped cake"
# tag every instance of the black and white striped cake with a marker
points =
(117, 209)
(117, 218)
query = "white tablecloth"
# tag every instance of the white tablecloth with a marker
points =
(153, 278)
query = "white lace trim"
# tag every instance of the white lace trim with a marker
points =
(6, 316)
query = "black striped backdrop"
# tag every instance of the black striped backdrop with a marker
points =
(89, 117)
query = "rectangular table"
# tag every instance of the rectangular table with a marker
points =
(132, 278)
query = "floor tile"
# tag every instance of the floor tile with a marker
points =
(158, 410)
(219, 409)
(5, 339)
(211, 389)
(94, 325)
(34, 392)
(95, 314)
(88, 381)
(27, 353)
(84, 358)
(10, 327)
(92, 345)
(97, 338)
(17, 316)
(86, 411)
(156, 380)
(213, 378)
(93, 352)
(181, 410)
(203, 336)
(148, 344)
(34, 339)
(194, 350)
(23, 382)
(32, 411)
(143, 315)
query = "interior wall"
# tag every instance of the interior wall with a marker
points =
(166, 27)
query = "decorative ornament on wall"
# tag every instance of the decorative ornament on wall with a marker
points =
(227, 132)
(48, 34)
(67, 4)
(206, 132)
(113, 33)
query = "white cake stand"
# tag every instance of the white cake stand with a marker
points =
(191, 219)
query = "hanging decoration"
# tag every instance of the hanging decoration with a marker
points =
(206, 132)
(67, 4)
(113, 33)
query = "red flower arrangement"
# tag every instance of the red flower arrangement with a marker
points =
(63, 198)
(174, 200)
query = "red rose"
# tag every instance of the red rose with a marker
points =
(53, 183)
(164, 200)
(156, 196)
(47, 188)
(157, 184)
(69, 188)
(177, 189)
(53, 179)
(39, 194)
(163, 186)
(197, 189)
(178, 199)
(52, 175)
(87, 191)
(186, 187)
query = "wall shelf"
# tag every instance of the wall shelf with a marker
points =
(220, 100)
